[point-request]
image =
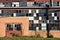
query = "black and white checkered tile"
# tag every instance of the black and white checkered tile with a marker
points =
(38, 19)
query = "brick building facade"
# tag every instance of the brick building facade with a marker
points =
(28, 18)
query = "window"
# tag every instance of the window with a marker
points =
(9, 27)
(34, 26)
(17, 27)
(31, 27)
(54, 27)
(54, 21)
(14, 27)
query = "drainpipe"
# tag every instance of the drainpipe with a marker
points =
(46, 20)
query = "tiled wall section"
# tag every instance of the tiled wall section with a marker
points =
(37, 18)
(26, 4)
(22, 4)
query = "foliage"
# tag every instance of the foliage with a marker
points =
(28, 38)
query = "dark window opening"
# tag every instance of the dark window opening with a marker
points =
(18, 27)
(33, 26)
(13, 27)
(54, 27)
(9, 27)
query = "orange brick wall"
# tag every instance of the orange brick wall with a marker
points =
(23, 20)
(55, 33)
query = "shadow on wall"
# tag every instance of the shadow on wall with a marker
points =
(50, 36)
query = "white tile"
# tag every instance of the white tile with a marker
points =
(36, 21)
(52, 14)
(37, 11)
(43, 28)
(37, 28)
(31, 18)
(47, 21)
(55, 17)
(0, 11)
(40, 18)
(14, 14)
(30, 10)
(15, 3)
(59, 3)
(34, 14)
(43, 24)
